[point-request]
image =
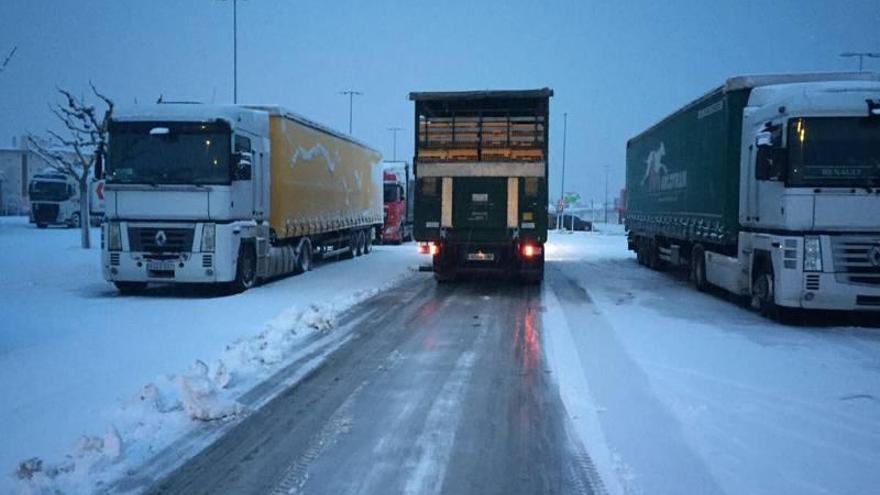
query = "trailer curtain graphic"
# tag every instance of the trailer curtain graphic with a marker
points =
(657, 177)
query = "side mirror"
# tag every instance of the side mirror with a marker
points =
(99, 165)
(243, 165)
(764, 139)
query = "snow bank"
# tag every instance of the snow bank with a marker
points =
(77, 358)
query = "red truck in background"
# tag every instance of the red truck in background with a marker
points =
(398, 187)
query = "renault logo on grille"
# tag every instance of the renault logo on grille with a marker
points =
(161, 238)
(874, 256)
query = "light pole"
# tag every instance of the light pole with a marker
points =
(559, 220)
(234, 51)
(351, 94)
(394, 133)
(605, 204)
(861, 56)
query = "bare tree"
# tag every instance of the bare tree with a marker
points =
(8, 58)
(84, 144)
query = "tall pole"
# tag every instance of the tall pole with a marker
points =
(605, 203)
(861, 56)
(235, 51)
(562, 185)
(351, 94)
(394, 133)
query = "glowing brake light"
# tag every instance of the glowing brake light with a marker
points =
(423, 248)
(530, 250)
(433, 248)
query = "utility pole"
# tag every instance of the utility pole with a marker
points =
(351, 94)
(235, 51)
(394, 133)
(605, 204)
(861, 56)
(559, 220)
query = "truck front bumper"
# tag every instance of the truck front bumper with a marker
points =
(824, 291)
(126, 266)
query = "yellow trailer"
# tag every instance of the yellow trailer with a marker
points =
(320, 181)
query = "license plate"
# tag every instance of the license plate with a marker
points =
(161, 266)
(478, 256)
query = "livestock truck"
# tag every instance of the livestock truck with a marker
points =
(398, 194)
(481, 164)
(767, 187)
(232, 195)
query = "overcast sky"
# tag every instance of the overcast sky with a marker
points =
(616, 66)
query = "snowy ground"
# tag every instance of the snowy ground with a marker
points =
(92, 379)
(674, 391)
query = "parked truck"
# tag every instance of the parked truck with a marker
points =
(398, 186)
(55, 200)
(767, 187)
(481, 166)
(232, 195)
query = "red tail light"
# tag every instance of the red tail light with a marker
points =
(433, 248)
(423, 248)
(530, 250)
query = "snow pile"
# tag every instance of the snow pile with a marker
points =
(174, 404)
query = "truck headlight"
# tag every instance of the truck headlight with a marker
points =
(114, 237)
(208, 231)
(812, 254)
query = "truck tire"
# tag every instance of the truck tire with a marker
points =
(361, 241)
(763, 298)
(245, 270)
(303, 261)
(130, 288)
(75, 221)
(444, 277)
(352, 246)
(42, 225)
(368, 241)
(698, 268)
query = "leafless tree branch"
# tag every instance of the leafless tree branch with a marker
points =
(8, 58)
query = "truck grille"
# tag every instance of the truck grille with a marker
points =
(161, 239)
(45, 212)
(857, 259)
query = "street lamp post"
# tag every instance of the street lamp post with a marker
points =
(234, 51)
(559, 220)
(394, 133)
(605, 204)
(861, 56)
(351, 94)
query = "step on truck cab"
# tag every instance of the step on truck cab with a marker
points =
(767, 187)
(481, 167)
(232, 195)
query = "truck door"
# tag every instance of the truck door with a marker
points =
(480, 203)
(243, 179)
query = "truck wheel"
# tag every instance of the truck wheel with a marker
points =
(762, 291)
(368, 241)
(245, 270)
(75, 221)
(42, 225)
(130, 288)
(444, 277)
(698, 268)
(352, 246)
(361, 241)
(304, 257)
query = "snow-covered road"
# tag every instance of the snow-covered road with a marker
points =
(469, 388)
(675, 391)
(75, 355)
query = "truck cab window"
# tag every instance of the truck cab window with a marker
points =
(770, 159)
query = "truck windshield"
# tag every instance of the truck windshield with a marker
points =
(392, 193)
(48, 191)
(169, 153)
(834, 151)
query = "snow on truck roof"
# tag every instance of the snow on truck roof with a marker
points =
(474, 95)
(234, 114)
(761, 80)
